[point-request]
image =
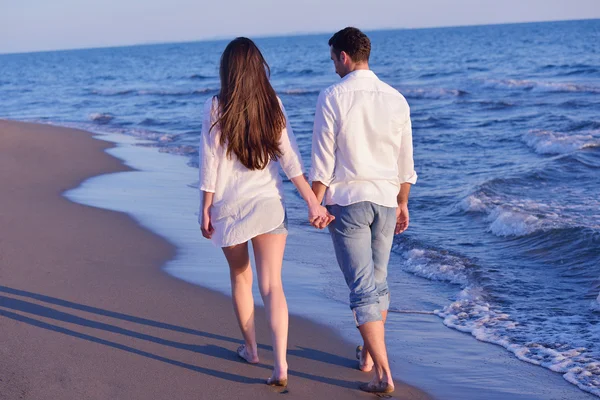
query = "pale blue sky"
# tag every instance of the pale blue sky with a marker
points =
(30, 25)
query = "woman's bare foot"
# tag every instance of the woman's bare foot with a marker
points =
(251, 357)
(279, 376)
(277, 381)
(365, 362)
(377, 386)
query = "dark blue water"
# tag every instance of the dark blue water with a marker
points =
(507, 144)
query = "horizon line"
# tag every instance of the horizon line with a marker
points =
(284, 35)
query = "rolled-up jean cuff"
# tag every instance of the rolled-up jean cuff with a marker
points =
(368, 313)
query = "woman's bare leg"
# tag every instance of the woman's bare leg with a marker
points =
(240, 273)
(268, 253)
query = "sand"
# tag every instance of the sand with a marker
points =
(87, 313)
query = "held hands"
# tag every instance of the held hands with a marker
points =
(206, 226)
(402, 218)
(319, 217)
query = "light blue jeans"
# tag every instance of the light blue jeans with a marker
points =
(362, 235)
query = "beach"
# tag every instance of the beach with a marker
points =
(87, 312)
(494, 286)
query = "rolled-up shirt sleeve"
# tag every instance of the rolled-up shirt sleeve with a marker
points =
(323, 143)
(406, 164)
(290, 160)
(209, 162)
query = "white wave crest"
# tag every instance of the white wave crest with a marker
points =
(548, 142)
(101, 118)
(542, 85)
(436, 265)
(509, 216)
(166, 138)
(299, 91)
(174, 92)
(432, 93)
(474, 203)
(183, 150)
(595, 306)
(153, 92)
(507, 222)
(148, 135)
(471, 314)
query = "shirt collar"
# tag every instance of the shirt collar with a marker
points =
(360, 73)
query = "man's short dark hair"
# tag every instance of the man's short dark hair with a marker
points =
(353, 42)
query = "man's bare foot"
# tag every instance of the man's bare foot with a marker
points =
(250, 357)
(365, 362)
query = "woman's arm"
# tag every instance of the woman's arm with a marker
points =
(209, 164)
(206, 224)
(317, 214)
(291, 163)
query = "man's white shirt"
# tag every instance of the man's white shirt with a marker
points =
(362, 141)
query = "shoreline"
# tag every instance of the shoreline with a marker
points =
(485, 368)
(86, 308)
(446, 363)
(503, 256)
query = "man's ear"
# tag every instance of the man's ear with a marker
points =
(344, 57)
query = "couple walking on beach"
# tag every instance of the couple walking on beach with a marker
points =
(362, 167)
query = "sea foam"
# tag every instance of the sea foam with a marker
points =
(436, 265)
(548, 142)
(101, 118)
(543, 85)
(512, 222)
(470, 313)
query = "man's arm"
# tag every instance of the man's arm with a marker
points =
(323, 151)
(406, 175)
(402, 215)
(323, 144)
(406, 163)
(404, 193)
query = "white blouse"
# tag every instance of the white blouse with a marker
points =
(246, 203)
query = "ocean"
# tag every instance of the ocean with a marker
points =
(505, 218)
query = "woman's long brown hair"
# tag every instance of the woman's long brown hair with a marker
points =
(250, 117)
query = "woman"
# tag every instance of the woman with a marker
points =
(245, 137)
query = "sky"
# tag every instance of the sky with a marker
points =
(35, 25)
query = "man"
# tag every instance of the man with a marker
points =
(362, 165)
